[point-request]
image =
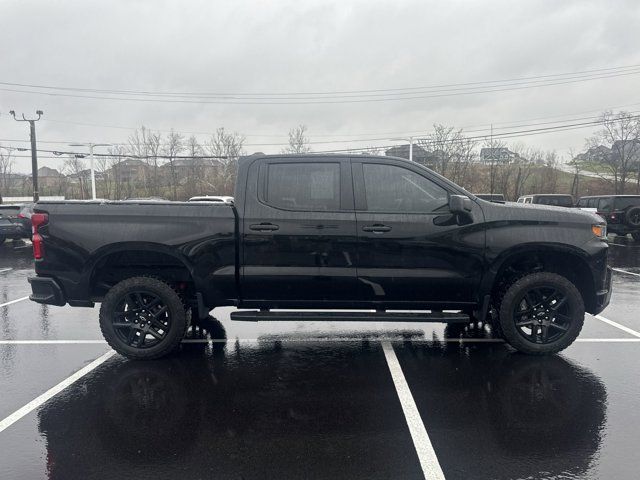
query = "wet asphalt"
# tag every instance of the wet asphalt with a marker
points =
(316, 400)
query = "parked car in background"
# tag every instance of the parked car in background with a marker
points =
(15, 221)
(491, 197)
(211, 198)
(621, 212)
(554, 199)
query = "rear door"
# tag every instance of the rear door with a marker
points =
(299, 233)
(410, 248)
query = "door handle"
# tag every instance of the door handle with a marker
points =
(377, 228)
(264, 227)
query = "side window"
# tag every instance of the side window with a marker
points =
(389, 188)
(303, 186)
(593, 202)
(527, 200)
(605, 204)
(521, 200)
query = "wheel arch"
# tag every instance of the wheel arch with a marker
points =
(570, 262)
(157, 260)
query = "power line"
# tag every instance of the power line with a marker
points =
(529, 79)
(231, 100)
(188, 132)
(513, 124)
(420, 141)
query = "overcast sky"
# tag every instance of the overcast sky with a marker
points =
(280, 47)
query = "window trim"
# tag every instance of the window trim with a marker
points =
(345, 189)
(360, 193)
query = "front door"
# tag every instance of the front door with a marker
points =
(410, 247)
(299, 234)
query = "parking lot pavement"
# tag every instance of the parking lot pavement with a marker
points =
(317, 399)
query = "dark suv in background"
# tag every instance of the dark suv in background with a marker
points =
(622, 212)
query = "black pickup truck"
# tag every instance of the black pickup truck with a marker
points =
(328, 233)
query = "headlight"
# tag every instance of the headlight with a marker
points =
(599, 230)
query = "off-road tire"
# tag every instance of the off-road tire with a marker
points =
(525, 283)
(632, 217)
(169, 297)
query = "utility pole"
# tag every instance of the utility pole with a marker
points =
(34, 153)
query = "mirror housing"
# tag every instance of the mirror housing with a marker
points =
(460, 204)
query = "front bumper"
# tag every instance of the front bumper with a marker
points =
(46, 290)
(604, 295)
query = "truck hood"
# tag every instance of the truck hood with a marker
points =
(532, 212)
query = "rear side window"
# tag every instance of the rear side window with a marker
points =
(389, 188)
(559, 201)
(623, 202)
(304, 186)
(604, 204)
(527, 200)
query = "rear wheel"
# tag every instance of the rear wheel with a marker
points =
(143, 318)
(541, 313)
(632, 217)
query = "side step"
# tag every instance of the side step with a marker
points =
(437, 317)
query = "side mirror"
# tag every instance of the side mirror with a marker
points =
(460, 204)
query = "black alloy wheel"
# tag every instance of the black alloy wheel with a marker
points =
(143, 318)
(541, 313)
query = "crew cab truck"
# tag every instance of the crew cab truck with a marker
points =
(332, 234)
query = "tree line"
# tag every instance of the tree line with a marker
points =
(176, 167)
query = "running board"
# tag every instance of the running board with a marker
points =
(437, 317)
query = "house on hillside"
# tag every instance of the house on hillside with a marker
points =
(129, 170)
(420, 155)
(185, 167)
(497, 155)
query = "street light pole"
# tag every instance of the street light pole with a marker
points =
(93, 173)
(91, 162)
(410, 140)
(411, 149)
(34, 152)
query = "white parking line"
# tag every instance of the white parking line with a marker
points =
(14, 301)
(318, 340)
(427, 456)
(625, 271)
(617, 325)
(37, 402)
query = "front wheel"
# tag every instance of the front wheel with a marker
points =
(143, 318)
(541, 313)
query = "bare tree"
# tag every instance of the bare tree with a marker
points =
(493, 160)
(74, 166)
(298, 142)
(614, 151)
(6, 167)
(226, 148)
(145, 144)
(173, 147)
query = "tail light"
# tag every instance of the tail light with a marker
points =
(38, 220)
